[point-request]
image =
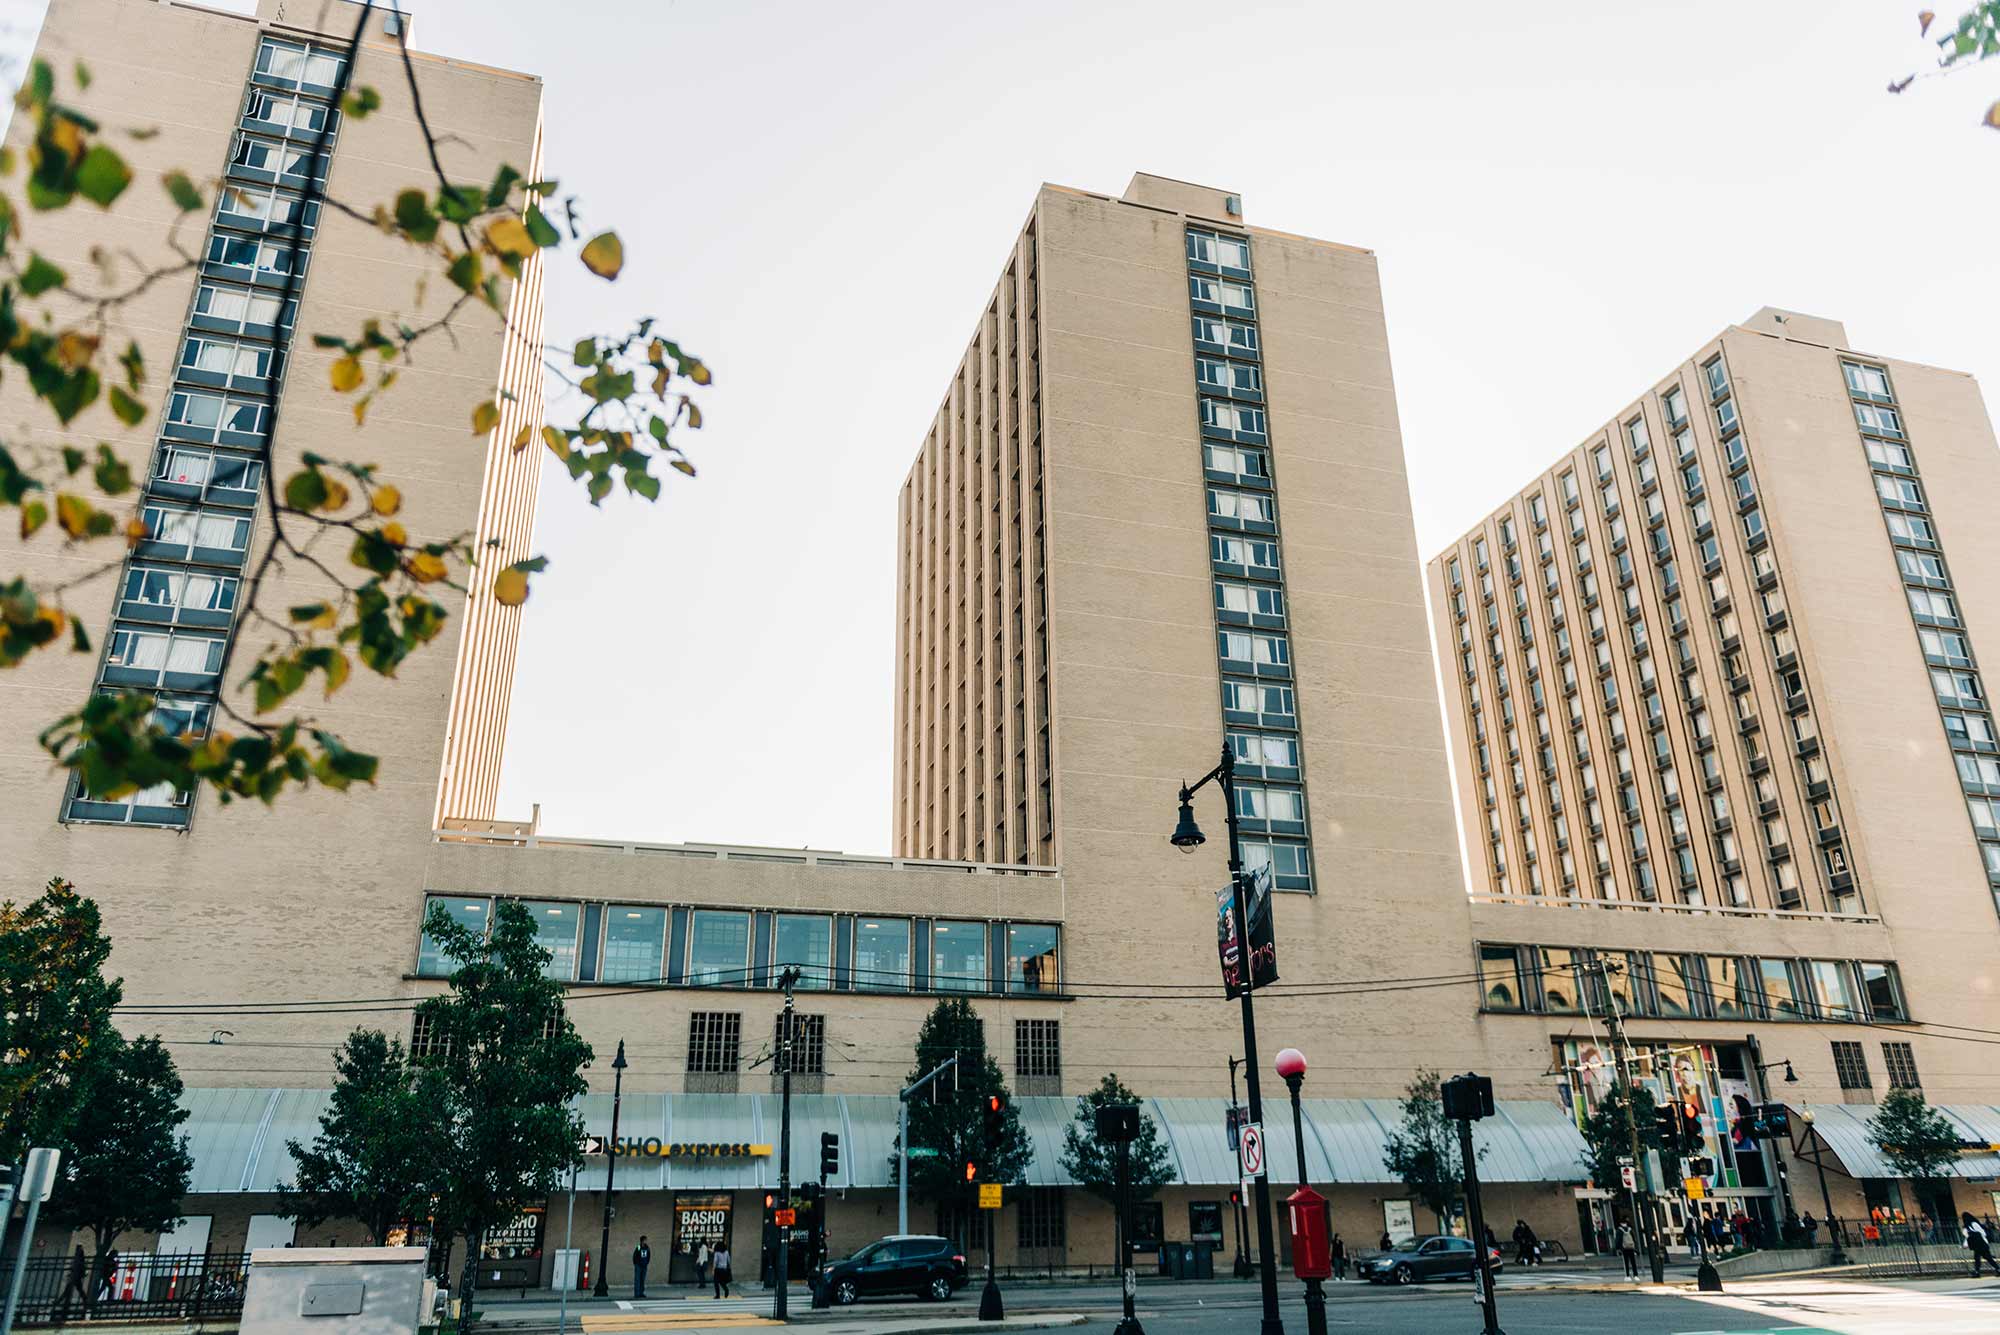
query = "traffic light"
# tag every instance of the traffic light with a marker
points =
(1667, 1126)
(829, 1154)
(1235, 1198)
(1467, 1098)
(1690, 1126)
(971, 1171)
(994, 1118)
(770, 1200)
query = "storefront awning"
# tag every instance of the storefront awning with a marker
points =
(238, 1139)
(1844, 1129)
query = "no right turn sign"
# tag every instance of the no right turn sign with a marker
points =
(1250, 1149)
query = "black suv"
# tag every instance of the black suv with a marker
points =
(931, 1267)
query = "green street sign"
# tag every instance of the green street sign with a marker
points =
(922, 1152)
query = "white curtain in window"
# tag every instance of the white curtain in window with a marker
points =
(145, 651)
(182, 466)
(224, 531)
(175, 526)
(204, 592)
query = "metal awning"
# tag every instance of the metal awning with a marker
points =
(1844, 1129)
(238, 1139)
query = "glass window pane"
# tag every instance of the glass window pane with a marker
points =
(634, 944)
(805, 942)
(1779, 993)
(1885, 999)
(719, 949)
(1559, 982)
(1673, 984)
(1031, 958)
(1730, 989)
(1499, 968)
(469, 913)
(555, 932)
(882, 954)
(958, 957)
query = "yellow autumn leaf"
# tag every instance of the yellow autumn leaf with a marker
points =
(386, 500)
(135, 532)
(510, 587)
(73, 513)
(699, 373)
(346, 374)
(510, 236)
(1993, 116)
(425, 568)
(395, 535)
(321, 616)
(557, 442)
(604, 255)
(485, 417)
(523, 436)
(1925, 17)
(337, 669)
(336, 495)
(34, 514)
(75, 350)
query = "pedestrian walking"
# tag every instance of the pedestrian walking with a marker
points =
(642, 1256)
(79, 1271)
(1524, 1243)
(721, 1259)
(1625, 1249)
(1811, 1226)
(1386, 1244)
(1339, 1249)
(107, 1271)
(1690, 1238)
(702, 1257)
(1978, 1244)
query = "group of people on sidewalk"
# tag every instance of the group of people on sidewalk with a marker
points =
(704, 1259)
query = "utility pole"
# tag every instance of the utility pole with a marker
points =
(1642, 1204)
(903, 1143)
(781, 1303)
(602, 1288)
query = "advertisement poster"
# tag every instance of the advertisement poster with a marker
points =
(1263, 948)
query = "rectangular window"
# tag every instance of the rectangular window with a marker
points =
(882, 954)
(1833, 984)
(1560, 981)
(634, 944)
(1673, 978)
(1900, 1060)
(1258, 555)
(1850, 1064)
(1867, 381)
(808, 1054)
(1236, 461)
(1731, 994)
(1887, 453)
(555, 931)
(1932, 603)
(715, 1042)
(239, 307)
(1920, 565)
(471, 914)
(958, 956)
(251, 256)
(293, 65)
(1955, 686)
(1228, 376)
(1968, 729)
(1781, 992)
(1038, 1049)
(1224, 415)
(1033, 962)
(1220, 249)
(1264, 749)
(1038, 1219)
(1899, 490)
(1500, 970)
(1248, 507)
(804, 941)
(719, 949)
(1885, 991)
(1910, 528)
(1879, 418)
(1233, 336)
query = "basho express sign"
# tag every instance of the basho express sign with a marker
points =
(652, 1147)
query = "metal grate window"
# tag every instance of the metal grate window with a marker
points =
(1037, 1048)
(1850, 1063)
(1901, 1061)
(715, 1041)
(808, 1043)
(425, 1044)
(1038, 1219)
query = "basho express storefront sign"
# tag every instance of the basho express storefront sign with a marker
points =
(652, 1147)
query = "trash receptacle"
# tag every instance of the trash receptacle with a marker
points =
(1201, 1262)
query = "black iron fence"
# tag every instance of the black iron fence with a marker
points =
(56, 1291)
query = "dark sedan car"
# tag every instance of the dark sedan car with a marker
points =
(1419, 1259)
(931, 1267)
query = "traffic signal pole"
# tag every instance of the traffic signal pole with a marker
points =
(1642, 1200)
(903, 1143)
(781, 1302)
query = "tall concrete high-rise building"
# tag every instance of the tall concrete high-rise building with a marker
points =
(1719, 720)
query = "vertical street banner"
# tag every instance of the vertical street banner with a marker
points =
(1262, 963)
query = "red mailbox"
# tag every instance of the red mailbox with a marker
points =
(1312, 1254)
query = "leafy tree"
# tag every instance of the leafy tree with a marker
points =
(1425, 1152)
(1917, 1140)
(376, 1156)
(1606, 1137)
(55, 1009)
(1093, 1163)
(1974, 37)
(952, 1123)
(331, 524)
(124, 1165)
(500, 1080)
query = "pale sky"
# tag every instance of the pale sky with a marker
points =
(1565, 200)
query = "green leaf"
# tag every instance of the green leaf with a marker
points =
(306, 490)
(604, 255)
(40, 276)
(414, 216)
(73, 459)
(113, 477)
(361, 101)
(102, 176)
(129, 409)
(464, 271)
(79, 639)
(504, 182)
(182, 191)
(540, 229)
(82, 75)
(459, 203)
(585, 352)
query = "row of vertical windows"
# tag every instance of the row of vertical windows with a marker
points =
(1557, 980)
(1260, 710)
(1928, 588)
(176, 604)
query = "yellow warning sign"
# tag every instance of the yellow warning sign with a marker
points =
(989, 1195)
(1696, 1188)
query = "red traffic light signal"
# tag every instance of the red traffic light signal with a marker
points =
(1236, 1198)
(971, 1170)
(770, 1199)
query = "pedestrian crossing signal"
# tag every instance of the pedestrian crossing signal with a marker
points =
(829, 1154)
(971, 1171)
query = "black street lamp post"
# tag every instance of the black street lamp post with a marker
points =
(1239, 1211)
(602, 1288)
(1187, 837)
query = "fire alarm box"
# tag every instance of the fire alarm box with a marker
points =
(1312, 1254)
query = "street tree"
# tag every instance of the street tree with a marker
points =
(1424, 1152)
(376, 1158)
(55, 1011)
(1093, 1163)
(1915, 1139)
(1606, 1136)
(125, 1163)
(501, 1069)
(1974, 36)
(375, 590)
(948, 1122)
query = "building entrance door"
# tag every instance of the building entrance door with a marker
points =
(698, 1219)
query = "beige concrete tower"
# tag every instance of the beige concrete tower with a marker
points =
(1717, 717)
(314, 896)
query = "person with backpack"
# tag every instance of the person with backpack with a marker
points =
(1978, 1244)
(1623, 1242)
